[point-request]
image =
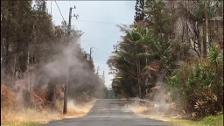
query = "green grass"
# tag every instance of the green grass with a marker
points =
(22, 124)
(207, 121)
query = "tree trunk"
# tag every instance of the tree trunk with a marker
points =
(51, 93)
(28, 69)
(65, 97)
(205, 31)
(196, 40)
(14, 77)
(138, 79)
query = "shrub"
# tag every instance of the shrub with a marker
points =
(198, 85)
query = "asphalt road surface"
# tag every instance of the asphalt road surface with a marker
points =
(109, 112)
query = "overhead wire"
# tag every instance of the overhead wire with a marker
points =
(101, 22)
(59, 11)
(90, 21)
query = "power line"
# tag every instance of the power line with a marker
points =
(59, 10)
(101, 22)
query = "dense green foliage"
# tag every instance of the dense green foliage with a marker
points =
(146, 52)
(166, 45)
(198, 85)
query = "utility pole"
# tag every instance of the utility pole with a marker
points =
(97, 70)
(70, 19)
(103, 77)
(67, 76)
(90, 53)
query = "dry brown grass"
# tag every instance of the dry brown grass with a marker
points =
(14, 113)
(8, 97)
(9, 116)
(29, 115)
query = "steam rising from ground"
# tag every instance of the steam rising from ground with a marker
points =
(160, 106)
(69, 65)
(64, 61)
(78, 109)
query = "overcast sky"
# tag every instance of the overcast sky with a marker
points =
(98, 20)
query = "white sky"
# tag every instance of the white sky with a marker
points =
(98, 20)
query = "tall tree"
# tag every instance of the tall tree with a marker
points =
(146, 52)
(139, 10)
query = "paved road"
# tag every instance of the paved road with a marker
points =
(109, 113)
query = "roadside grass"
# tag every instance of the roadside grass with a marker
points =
(22, 124)
(207, 121)
(27, 117)
(32, 117)
(216, 120)
(144, 111)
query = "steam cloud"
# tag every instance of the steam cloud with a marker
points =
(70, 64)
